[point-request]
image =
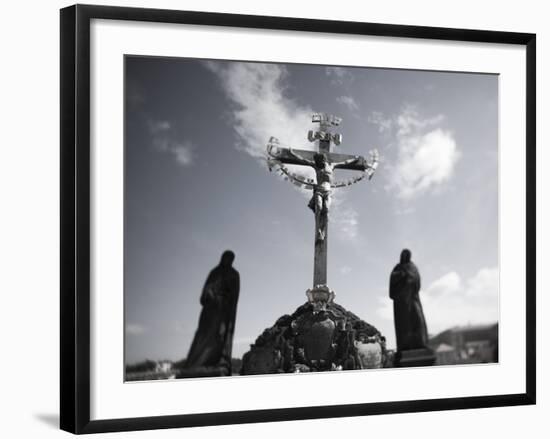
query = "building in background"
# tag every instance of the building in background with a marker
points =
(466, 344)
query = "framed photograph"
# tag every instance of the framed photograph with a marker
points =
(205, 158)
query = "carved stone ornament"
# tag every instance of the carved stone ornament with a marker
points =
(320, 296)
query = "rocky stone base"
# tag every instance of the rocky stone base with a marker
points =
(308, 341)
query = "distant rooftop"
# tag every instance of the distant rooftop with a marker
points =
(468, 331)
(478, 327)
(444, 347)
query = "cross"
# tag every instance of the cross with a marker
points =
(324, 162)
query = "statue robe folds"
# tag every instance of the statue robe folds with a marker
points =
(410, 324)
(212, 345)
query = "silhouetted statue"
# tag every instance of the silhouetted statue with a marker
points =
(210, 352)
(410, 325)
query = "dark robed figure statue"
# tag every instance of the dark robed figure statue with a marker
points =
(410, 325)
(210, 352)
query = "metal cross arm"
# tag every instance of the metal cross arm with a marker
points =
(303, 157)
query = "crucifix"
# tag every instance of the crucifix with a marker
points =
(323, 162)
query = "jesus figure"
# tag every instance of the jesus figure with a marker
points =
(321, 199)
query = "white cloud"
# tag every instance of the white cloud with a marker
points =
(158, 126)
(377, 118)
(339, 75)
(349, 102)
(450, 283)
(346, 219)
(409, 121)
(183, 153)
(261, 106)
(134, 329)
(450, 301)
(164, 140)
(424, 161)
(426, 154)
(484, 283)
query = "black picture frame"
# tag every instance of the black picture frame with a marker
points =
(75, 217)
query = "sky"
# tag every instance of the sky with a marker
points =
(197, 183)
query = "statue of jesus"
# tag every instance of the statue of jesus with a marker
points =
(321, 199)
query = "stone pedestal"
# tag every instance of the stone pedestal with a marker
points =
(414, 358)
(310, 340)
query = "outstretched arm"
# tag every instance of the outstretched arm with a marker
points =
(355, 159)
(300, 158)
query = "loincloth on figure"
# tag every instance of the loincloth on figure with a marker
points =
(322, 194)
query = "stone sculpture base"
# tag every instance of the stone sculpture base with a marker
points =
(414, 358)
(308, 341)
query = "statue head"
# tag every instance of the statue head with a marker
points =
(405, 256)
(320, 159)
(227, 258)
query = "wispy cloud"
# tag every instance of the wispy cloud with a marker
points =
(339, 75)
(346, 219)
(261, 106)
(164, 140)
(409, 121)
(349, 102)
(134, 329)
(377, 118)
(426, 154)
(452, 301)
(158, 127)
(183, 153)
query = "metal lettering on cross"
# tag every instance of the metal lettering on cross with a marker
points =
(323, 162)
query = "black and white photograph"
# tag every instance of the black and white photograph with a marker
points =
(274, 220)
(303, 218)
